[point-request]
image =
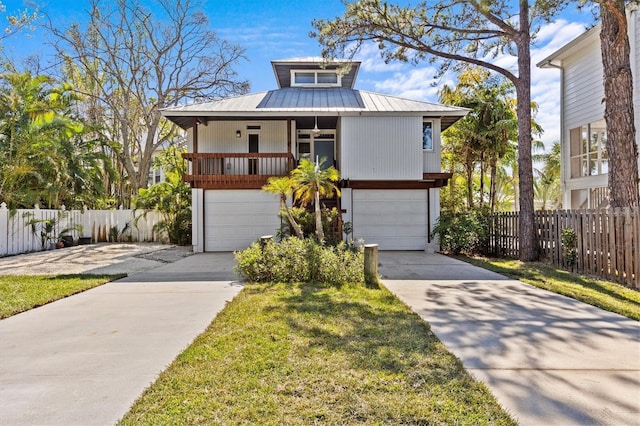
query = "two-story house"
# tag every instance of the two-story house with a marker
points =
(585, 164)
(386, 148)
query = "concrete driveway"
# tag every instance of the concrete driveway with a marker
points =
(548, 359)
(102, 258)
(85, 359)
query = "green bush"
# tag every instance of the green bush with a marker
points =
(466, 232)
(294, 260)
(307, 221)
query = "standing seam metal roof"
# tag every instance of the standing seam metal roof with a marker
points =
(292, 99)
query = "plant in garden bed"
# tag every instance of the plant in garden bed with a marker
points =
(295, 260)
(466, 232)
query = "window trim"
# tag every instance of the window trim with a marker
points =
(422, 136)
(315, 83)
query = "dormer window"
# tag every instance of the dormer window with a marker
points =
(315, 78)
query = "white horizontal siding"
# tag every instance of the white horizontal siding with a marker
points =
(381, 148)
(583, 88)
(220, 136)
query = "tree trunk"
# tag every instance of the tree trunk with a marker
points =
(492, 184)
(528, 238)
(319, 230)
(469, 170)
(292, 221)
(618, 112)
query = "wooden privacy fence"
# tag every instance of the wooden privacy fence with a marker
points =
(17, 236)
(607, 243)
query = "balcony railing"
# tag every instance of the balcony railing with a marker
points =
(235, 170)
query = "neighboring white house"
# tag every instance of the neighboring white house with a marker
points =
(585, 165)
(386, 148)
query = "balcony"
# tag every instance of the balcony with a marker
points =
(235, 170)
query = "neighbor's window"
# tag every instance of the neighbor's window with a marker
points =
(427, 135)
(588, 150)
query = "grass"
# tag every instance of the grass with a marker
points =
(603, 294)
(19, 293)
(298, 354)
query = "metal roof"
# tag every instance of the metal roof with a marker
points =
(570, 48)
(292, 102)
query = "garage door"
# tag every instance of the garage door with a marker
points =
(233, 219)
(393, 219)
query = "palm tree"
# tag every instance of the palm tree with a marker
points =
(283, 186)
(310, 182)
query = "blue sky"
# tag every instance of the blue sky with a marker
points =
(278, 29)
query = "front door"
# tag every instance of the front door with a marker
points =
(253, 147)
(318, 146)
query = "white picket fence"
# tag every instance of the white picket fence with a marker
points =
(17, 236)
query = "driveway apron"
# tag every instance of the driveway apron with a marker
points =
(85, 359)
(548, 359)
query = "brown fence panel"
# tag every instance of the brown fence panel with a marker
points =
(608, 240)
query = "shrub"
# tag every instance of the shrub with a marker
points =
(466, 232)
(294, 260)
(307, 221)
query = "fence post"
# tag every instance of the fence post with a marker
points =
(4, 229)
(371, 265)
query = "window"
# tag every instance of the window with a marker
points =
(323, 78)
(588, 150)
(427, 135)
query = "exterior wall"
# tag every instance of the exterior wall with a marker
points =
(381, 148)
(582, 95)
(197, 219)
(220, 136)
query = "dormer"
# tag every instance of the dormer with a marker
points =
(315, 72)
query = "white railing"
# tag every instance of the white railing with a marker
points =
(17, 227)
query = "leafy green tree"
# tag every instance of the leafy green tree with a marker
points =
(43, 156)
(473, 32)
(312, 181)
(486, 137)
(172, 198)
(547, 185)
(137, 57)
(283, 186)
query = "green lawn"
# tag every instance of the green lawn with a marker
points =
(603, 294)
(298, 354)
(19, 293)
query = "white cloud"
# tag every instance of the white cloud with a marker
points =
(369, 55)
(414, 83)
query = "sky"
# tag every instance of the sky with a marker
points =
(279, 29)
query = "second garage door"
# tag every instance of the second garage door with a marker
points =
(393, 219)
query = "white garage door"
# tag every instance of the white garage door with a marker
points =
(233, 219)
(393, 219)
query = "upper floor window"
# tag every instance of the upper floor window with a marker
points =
(307, 78)
(427, 135)
(588, 150)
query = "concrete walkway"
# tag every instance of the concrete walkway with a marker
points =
(85, 359)
(548, 359)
